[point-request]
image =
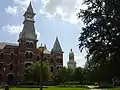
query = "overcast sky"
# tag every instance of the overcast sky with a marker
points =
(53, 18)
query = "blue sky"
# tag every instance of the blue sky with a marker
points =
(53, 18)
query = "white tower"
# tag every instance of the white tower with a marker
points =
(71, 63)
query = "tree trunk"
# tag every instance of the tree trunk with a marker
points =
(38, 83)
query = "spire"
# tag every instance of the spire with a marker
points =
(28, 31)
(57, 47)
(45, 47)
(30, 9)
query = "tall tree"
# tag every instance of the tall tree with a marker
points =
(78, 75)
(101, 33)
(64, 75)
(32, 72)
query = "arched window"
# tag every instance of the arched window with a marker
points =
(27, 54)
(30, 55)
(45, 58)
(27, 44)
(57, 60)
(38, 58)
(11, 66)
(1, 55)
(11, 56)
(57, 67)
(51, 60)
(31, 45)
(51, 68)
(61, 60)
(27, 64)
(1, 65)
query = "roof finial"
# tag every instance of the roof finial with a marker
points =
(56, 46)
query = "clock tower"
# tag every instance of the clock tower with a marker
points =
(28, 37)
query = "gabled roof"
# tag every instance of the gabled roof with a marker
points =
(56, 46)
(3, 44)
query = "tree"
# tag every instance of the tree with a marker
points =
(101, 33)
(32, 72)
(64, 75)
(78, 75)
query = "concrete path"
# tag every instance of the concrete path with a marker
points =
(92, 88)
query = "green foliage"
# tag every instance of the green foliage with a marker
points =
(32, 72)
(101, 37)
(78, 75)
(66, 75)
(62, 75)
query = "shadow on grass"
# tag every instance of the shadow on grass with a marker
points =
(73, 86)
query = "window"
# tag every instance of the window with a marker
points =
(1, 65)
(11, 56)
(27, 44)
(11, 66)
(51, 68)
(51, 60)
(61, 61)
(38, 58)
(27, 54)
(57, 67)
(27, 64)
(2, 56)
(45, 58)
(30, 55)
(57, 60)
(30, 45)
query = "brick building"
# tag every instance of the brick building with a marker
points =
(14, 58)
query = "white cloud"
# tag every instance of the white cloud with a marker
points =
(80, 60)
(20, 6)
(13, 29)
(11, 10)
(64, 9)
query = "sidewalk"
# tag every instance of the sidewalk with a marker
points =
(93, 88)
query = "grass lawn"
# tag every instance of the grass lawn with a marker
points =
(51, 88)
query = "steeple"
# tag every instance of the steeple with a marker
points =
(56, 46)
(29, 9)
(28, 31)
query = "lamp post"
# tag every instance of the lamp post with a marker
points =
(4, 77)
(41, 48)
